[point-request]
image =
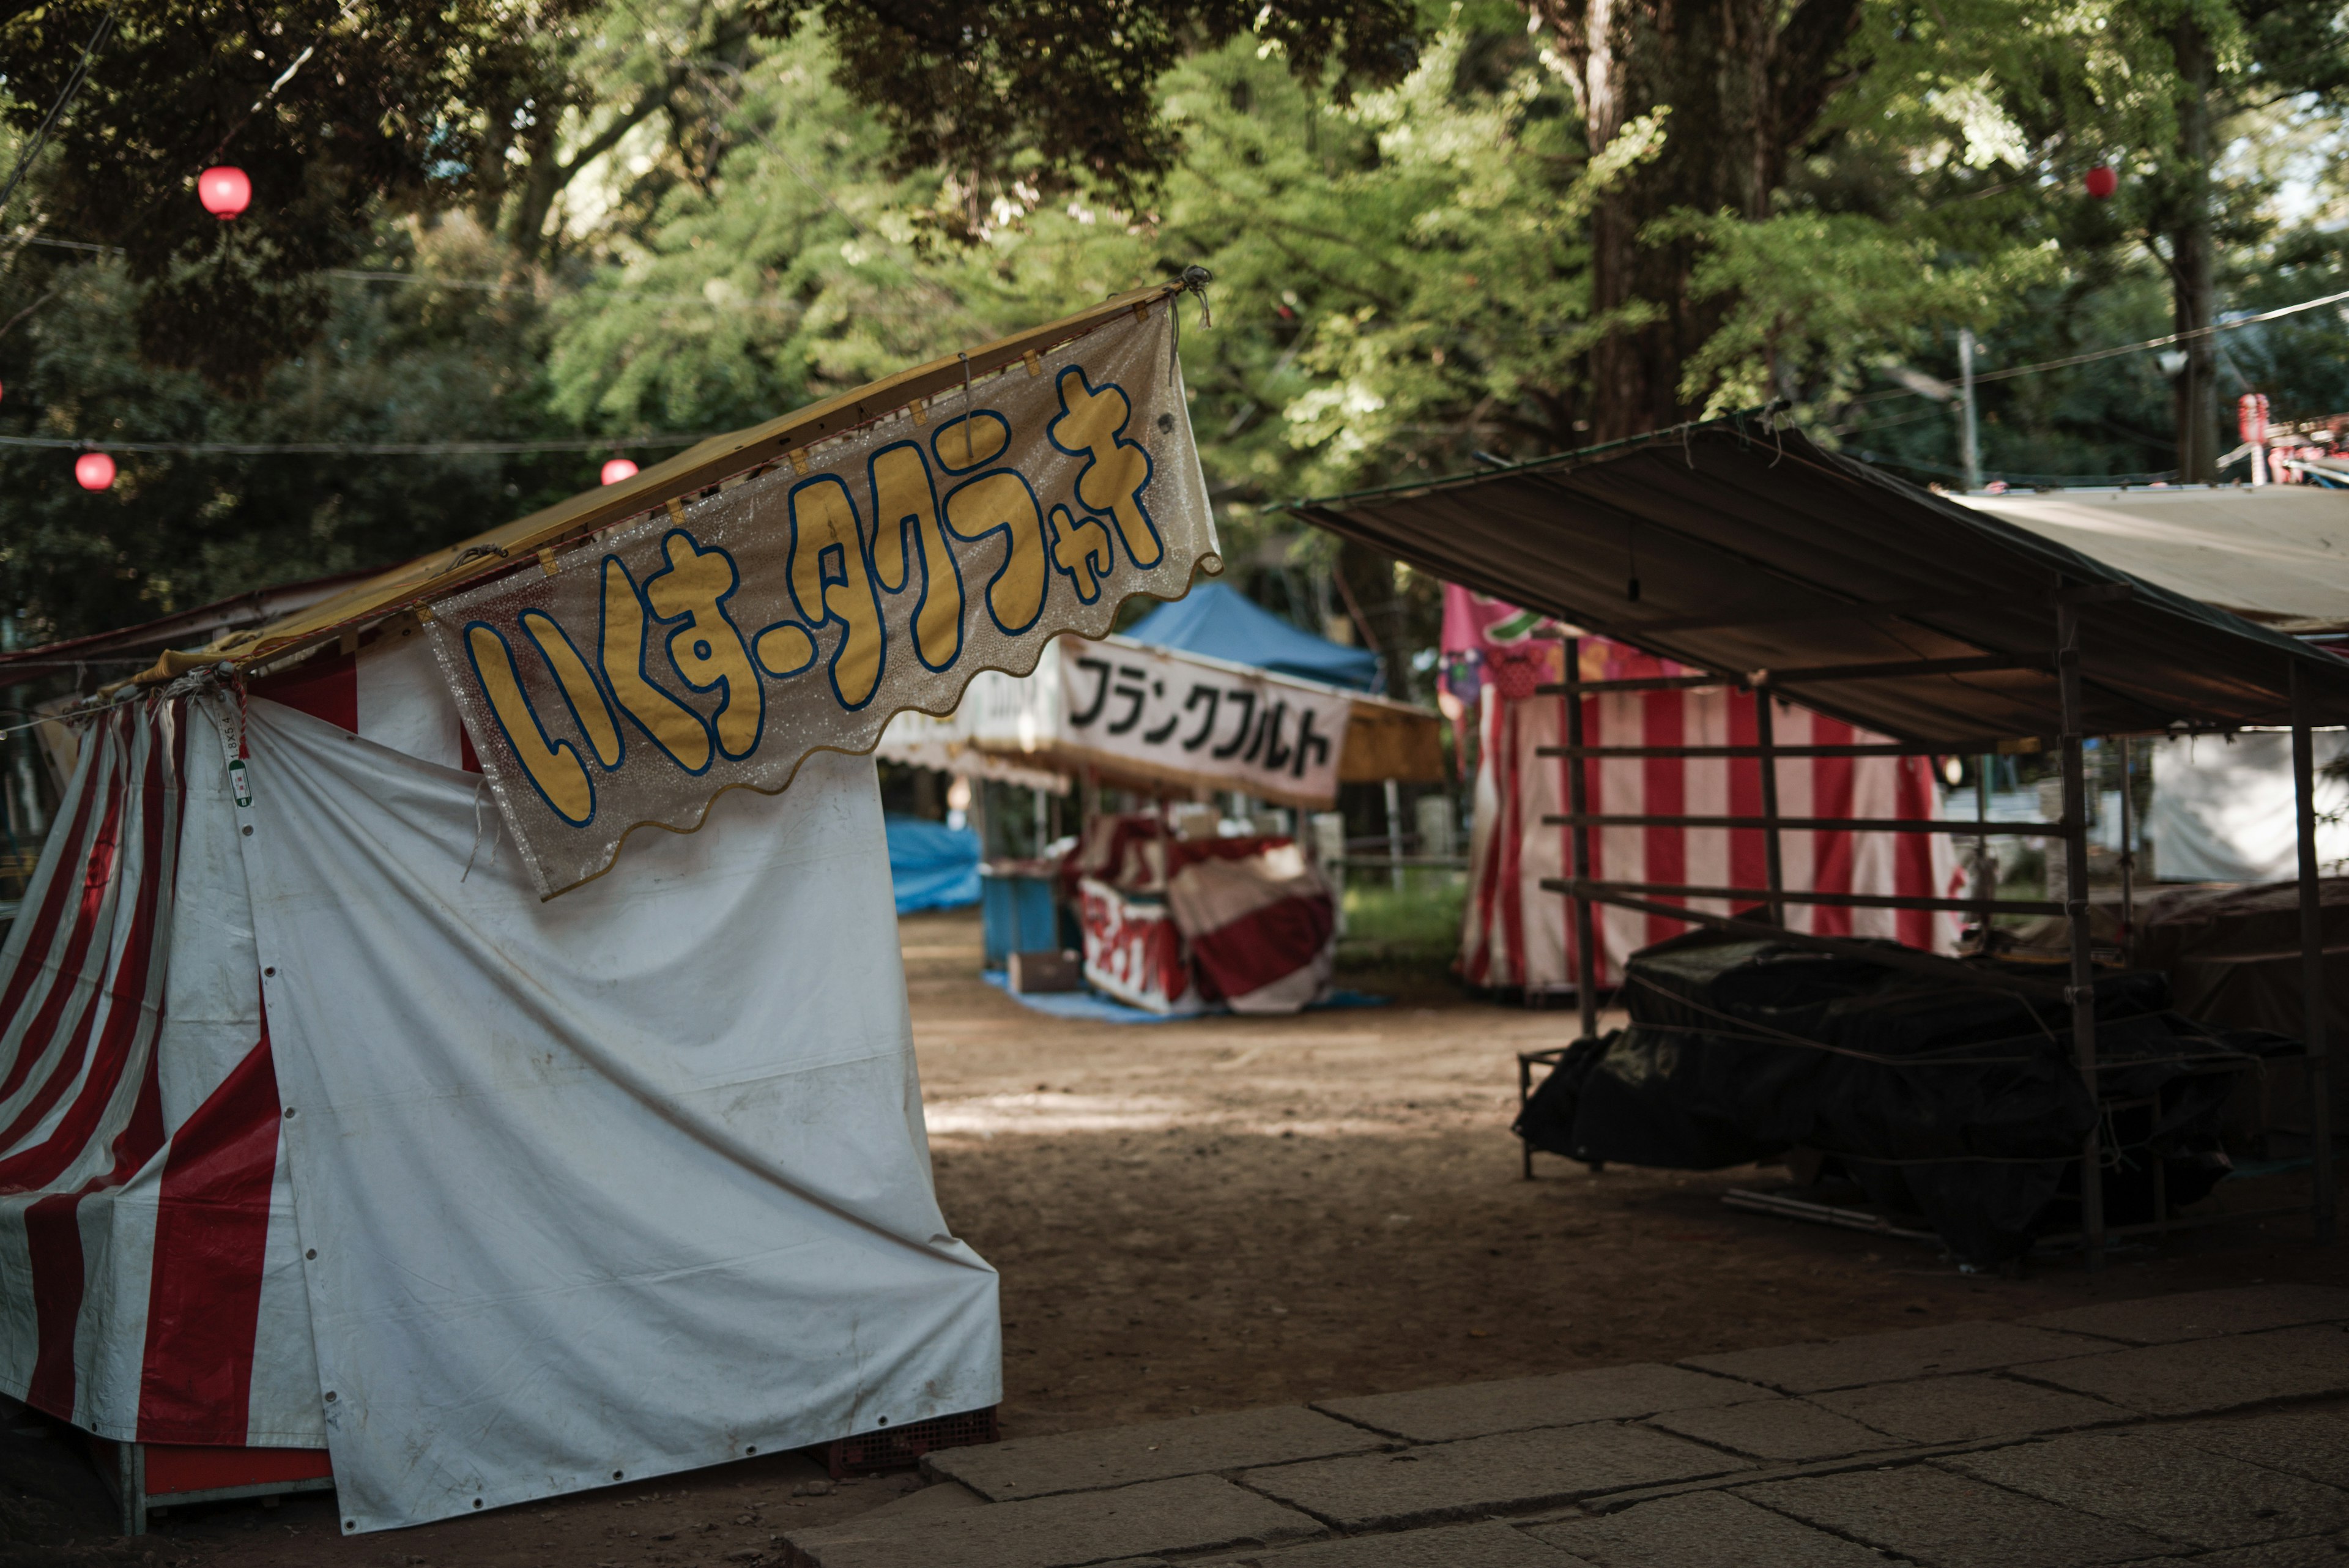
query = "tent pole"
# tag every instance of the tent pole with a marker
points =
(2082, 992)
(1766, 736)
(2312, 963)
(1394, 835)
(1577, 802)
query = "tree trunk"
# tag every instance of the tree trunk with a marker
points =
(2192, 286)
(1739, 91)
(1366, 580)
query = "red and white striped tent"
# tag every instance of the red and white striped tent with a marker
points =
(1515, 934)
(319, 1131)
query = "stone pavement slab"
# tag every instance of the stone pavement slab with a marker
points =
(1520, 1404)
(1705, 1530)
(1486, 1545)
(1960, 1409)
(1485, 1475)
(1887, 1357)
(2210, 1375)
(2151, 1481)
(1191, 1515)
(2317, 1552)
(2312, 1443)
(1788, 1430)
(2202, 1314)
(1954, 1521)
(1121, 1456)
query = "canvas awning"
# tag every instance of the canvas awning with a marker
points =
(1755, 552)
(2276, 554)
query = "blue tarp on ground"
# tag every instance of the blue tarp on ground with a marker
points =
(1091, 1007)
(932, 865)
(1223, 623)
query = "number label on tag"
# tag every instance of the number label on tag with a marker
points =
(238, 784)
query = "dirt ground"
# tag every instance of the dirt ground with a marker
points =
(1228, 1212)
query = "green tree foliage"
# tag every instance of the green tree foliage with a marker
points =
(392, 364)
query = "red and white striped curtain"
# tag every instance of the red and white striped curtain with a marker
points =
(140, 1180)
(1516, 934)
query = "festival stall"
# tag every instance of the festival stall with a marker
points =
(1176, 915)
(1516, 936)
(379, 1104)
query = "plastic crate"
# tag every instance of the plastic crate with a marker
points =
(902, 1447)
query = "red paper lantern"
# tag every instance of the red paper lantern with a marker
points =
(2102, 180)
(94, 470)
(618, 469)
(224, 191)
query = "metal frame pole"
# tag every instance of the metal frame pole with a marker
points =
(1578, 803)
(2312, 963)
(1985, 883)
(2082, 992)
(1765, 735)
(2129, 852)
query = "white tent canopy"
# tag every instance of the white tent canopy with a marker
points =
(2276, 554)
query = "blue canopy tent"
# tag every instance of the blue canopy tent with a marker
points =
(1223, 623)
(931, 866)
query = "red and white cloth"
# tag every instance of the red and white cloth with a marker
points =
(609, 1187)
(1175, 926)
(1262, 926)
(146, 1221)
(1514, 933)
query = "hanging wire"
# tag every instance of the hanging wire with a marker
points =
(72, 88)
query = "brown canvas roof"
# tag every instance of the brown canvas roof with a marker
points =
(1755, 550)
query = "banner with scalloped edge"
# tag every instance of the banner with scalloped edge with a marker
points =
(629, 679)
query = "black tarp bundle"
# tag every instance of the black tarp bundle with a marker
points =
(1944, 1098)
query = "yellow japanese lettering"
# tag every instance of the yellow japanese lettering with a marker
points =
(1081, 549)
(674, 727)
(831, 580)
(708, 649)
(579, 685)
(553, 767)
(1091, 424)
(1000, 502)
(904, 502)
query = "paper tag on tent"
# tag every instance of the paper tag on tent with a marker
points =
(240, 784)
(716, 642)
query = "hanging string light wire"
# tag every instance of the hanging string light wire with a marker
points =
(72, 87)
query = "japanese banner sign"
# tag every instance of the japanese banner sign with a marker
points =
(713, 646)
(1223, 725)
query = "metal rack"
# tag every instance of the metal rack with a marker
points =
(2072, 829)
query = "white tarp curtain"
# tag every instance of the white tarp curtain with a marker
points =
(600, 1189)
(2223, 808)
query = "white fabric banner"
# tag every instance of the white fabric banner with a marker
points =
(606, 1188)
(1222, 726)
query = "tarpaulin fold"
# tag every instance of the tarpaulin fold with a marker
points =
(605, 1188)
